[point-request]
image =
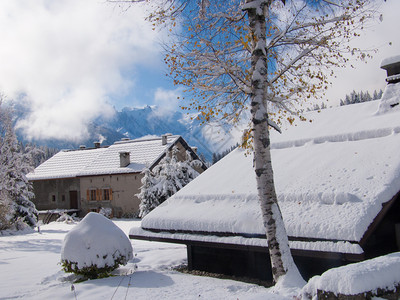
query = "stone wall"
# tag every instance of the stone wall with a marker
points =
(122, 200)
(56, 193)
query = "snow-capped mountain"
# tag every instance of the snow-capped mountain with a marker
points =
(151, 120)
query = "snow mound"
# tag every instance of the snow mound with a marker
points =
(370, 275)
(96, 242)
(390, 98)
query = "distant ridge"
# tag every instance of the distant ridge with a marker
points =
(147, 121)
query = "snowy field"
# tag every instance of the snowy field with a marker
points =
(30, 269)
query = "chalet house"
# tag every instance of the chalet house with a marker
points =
(338, 184)
(109, 177)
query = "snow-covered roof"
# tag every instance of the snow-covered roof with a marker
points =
(89, 162)
(332, 176)
(390, 61)
(65, 164)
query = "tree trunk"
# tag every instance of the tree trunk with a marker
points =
(278, 244)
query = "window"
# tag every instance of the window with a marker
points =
(92, 195)
(53, 198)
(106, 194)
(99, 194)
(63, 198)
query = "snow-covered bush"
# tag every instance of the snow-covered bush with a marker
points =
(95, 247)
(168, 177)
(66, 218)
(106, 211)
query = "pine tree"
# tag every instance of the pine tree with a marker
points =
(148, 195)
(15, 190)
(6, 210)
(214, 158)
(168, 177)
(360, 97)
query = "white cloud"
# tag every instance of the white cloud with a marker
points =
(167, 100)
(369, 76)
(69, 57)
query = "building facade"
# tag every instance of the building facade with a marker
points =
(102, 177)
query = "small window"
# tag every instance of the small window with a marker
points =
(53, 198)
(107, 194)
(92, 195)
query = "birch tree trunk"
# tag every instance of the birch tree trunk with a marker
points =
(278, 244)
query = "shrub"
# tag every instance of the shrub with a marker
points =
(95, 247)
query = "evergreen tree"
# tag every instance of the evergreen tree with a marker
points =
(168, 177)
(148, 195)
(218, 156)
(348, 100)
(39, 153)
(214, 158)
(360, 97)
(6, 210)
(15, 190)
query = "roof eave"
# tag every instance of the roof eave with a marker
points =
(350, 257)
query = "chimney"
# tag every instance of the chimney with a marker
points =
(82, 147)
(392, 67)
(194, 149)
(164, 139)
(97, 144)
(124, 159)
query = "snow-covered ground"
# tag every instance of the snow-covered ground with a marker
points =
(30, 269)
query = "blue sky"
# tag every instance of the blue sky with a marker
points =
(75, 60)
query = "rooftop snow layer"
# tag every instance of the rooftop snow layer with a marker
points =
(331, 177)
(390, 61)
(68, 164)
(370, 275)
(142, 153)
(65, 164)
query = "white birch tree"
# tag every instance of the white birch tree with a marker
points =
(266, 56)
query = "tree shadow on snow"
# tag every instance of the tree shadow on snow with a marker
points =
(139, 279)
(150, 279)
(49, 245)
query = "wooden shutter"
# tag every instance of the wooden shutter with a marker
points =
(87, 195)
(111, 195)
(98, 195)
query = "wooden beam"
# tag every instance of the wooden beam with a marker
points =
(378, 219)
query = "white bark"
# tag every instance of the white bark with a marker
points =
(278, 244)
